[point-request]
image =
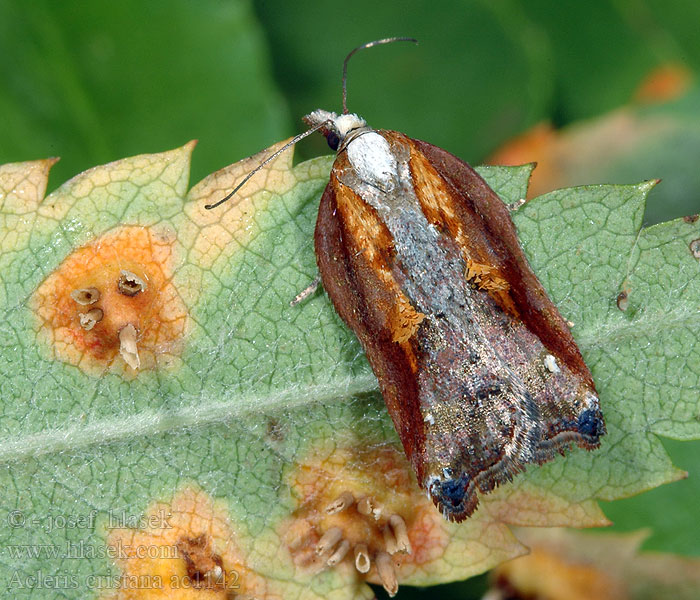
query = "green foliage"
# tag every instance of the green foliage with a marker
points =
(82, 443)
(95, 82)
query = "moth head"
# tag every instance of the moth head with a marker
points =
(335, 127)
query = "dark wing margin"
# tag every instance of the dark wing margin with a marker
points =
(362, 301)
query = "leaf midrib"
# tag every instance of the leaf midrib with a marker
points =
(147, 423)
(648, 325)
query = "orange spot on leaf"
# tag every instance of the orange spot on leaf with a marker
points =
(550, 576)
(538, 144)
(111, 304)
(187, 551)
(361, 503)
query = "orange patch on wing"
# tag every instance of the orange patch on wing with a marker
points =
(360, 511)
(489, 279)
(405, 320)
(369, 234)
(111, 304)
(372, 239)
(485, 277)
(435, 199)
(186, 552)
(437, 204)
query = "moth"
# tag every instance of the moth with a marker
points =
(420, 258)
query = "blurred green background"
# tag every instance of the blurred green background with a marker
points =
(93, 82)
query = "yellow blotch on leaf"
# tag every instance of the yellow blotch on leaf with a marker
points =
(188, 551)
(361, 512)
(111, 304)
(550, 576)
(23, 185)
(225, 229)
(22, 188)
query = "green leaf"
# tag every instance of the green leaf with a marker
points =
(510, 182)
(247, 416)
(98, 81)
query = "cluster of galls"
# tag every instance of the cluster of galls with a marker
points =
(362, 533)
(92, 313)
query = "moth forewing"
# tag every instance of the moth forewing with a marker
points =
(420, 258)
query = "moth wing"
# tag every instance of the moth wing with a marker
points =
(448, 442)
(351, 271)
(466, 416)
(498, 233)
(569, 409)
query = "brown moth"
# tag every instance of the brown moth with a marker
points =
(420, 258)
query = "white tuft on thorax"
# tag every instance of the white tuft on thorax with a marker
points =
(371, 157)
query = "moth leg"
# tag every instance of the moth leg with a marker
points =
(513, 206)
(306, 292)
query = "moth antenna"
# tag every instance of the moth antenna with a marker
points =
(301, 136)
(291, 142)
(363, 47)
